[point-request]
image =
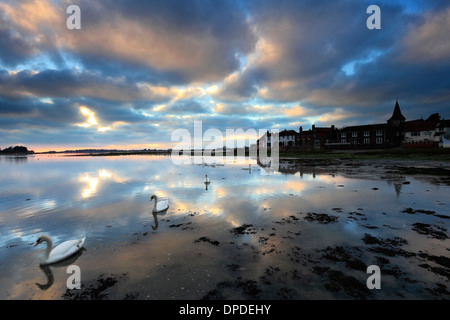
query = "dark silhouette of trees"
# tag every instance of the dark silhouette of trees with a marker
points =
(15, 150)
(435, 117)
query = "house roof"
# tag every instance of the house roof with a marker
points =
(288, 132)
(317, 130)
(420, 125)
(324, 128)
(367, 127)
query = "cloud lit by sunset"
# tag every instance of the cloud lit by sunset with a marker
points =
(90, 118)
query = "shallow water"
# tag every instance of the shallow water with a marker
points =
(302, 232)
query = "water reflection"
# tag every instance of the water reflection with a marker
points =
(250, 215)
(155, 218)
(93, 181)
(353, 171)
(49, 275)
(47, 269)
(13, 159)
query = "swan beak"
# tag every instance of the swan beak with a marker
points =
(36, 244)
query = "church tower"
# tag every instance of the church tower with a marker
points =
(396, 127)
(397, 117)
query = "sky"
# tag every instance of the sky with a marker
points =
(137, 71)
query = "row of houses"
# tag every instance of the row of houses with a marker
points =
(396, 132)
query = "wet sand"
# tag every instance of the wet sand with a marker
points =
(290, 258)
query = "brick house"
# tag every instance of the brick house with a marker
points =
(316, 137)
(381, 135)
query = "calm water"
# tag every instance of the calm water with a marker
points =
(302, 232)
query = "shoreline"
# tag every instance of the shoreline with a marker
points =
(351, 154)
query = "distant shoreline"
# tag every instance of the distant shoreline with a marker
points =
(399, 154)
(120, 153)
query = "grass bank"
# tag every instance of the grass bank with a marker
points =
(400, 154)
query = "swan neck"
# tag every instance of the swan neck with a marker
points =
(49, 243)
(154, 203)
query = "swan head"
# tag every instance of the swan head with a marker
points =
(41, 239)
(153, 197)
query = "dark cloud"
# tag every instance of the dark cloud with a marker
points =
(57, 114)
(185, 106)
(174, 41)
(308, 43)
(73, 83)
(14, 48)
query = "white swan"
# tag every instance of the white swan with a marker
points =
(159, 206)
(207, 180)
(61, 251)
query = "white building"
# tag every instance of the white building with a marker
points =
(426, 133)
(445, 139)
(442, 134)
(287, 138)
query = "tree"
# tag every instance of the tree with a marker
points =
(16, 149)
(435, 117)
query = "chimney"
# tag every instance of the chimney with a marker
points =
(314, 127)
(332, 127)
(300, 129)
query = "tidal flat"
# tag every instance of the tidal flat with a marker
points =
(308, 230)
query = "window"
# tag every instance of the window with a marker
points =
(343, 135)
(379, 140)
(379, 133)
(415, 134)
(366, 141)
(343, 140)
(366, 133)
(354, 134)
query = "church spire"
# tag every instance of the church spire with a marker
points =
(397, 114)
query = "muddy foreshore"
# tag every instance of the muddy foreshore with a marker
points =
(270, 261)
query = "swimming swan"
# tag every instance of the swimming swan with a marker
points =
(61, 251)
(159, 206)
